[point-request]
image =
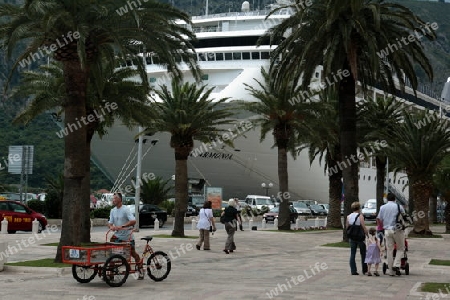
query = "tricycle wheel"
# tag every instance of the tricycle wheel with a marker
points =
(116, 270)
(407, 269)
(384, 268)
(158, 266)
(84, 274)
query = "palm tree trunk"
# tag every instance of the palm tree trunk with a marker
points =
(284, 220)
(181, 191)
(334, 191)
(421, 192)
(347, 138)
(447, 218)
(75, 155)
(380, 162)
(433, 208)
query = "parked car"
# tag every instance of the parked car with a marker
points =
(129, 203)
(149, 212)
(301, 208)
(20, 216)
(369, 210)
(325, 206)
(317, 210)
(256, 201)
(191, 211)
(273, 214)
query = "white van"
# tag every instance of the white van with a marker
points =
(369, 209)
(257, 201)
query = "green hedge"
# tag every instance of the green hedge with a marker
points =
(37, 206)
(102, 213)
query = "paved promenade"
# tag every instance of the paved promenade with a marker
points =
(266, 265)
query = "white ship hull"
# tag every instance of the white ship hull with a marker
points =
(242, 170)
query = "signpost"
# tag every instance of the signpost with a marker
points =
(214, 194)
(22, 164)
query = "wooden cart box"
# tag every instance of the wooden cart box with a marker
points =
(95, 254)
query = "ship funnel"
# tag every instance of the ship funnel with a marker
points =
(245, 6)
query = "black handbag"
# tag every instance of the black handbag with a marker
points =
(356, 232)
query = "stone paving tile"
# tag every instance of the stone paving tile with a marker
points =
(265, 261)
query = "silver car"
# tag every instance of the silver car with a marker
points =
(301, 208)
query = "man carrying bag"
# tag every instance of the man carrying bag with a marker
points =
(394, 232)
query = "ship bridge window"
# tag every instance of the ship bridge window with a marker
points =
(237, 55)
(202, 57)
(265, 55)
(245, 55)
(255, 55)
(228, 56)
(219, 56)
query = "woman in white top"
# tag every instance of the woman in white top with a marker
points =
(356, 208)
(205, 222)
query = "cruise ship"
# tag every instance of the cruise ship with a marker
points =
(228, 55)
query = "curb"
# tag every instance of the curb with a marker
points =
(37, 270)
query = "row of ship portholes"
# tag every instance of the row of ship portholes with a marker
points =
(211, 56)
(390, 179)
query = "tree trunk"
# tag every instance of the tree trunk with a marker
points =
(181, 190)
(335, 192)
(284, 220)
(347, 138)
(411, 202)
(380, 162)
(447, 218)
(433, 208)
(422, 191)
(75, 157)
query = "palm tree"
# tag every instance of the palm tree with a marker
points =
(114, 86)
(321, 138)
(156, 190)
(354, 40)
(418, 145)
(375, 115)
(81, 34)
(188, 114)
(275, 113)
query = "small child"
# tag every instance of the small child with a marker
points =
(373, 254)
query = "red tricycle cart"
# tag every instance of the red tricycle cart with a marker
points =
(112, 262)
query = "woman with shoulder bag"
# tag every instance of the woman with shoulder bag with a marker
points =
(205, 225)
(230, 219)
(357, 218)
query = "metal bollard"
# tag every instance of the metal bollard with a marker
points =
(297, 224)
(316, 222)
(250, 224)
(156, 225)
(275, 223)
(263, 226)
(194, 224)
(4, 226)
(35, 226)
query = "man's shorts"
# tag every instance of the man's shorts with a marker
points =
(114, 239)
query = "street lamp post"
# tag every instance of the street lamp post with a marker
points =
(267, 187)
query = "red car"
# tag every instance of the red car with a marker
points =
(20, 216)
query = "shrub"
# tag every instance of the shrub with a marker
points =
(37, 206)
(53, 205)
(168, 205)
(102, 213)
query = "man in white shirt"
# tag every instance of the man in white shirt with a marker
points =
(121, 217)
(393, 234)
